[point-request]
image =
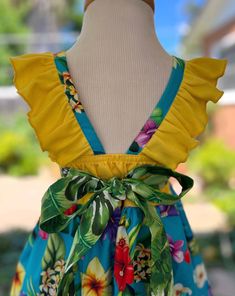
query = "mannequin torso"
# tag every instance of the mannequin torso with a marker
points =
(119, 68)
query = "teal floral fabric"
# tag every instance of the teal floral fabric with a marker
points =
(101, 248)
(141, 186)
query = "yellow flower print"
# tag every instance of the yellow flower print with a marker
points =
(60, 266)
(143, 251)
(17, 280)
(73, 91)
(96, 282)
(141, 264)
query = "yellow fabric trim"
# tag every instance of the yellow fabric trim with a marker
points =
(106, 166)
(37, 82)
(187, 117)
(36, 79)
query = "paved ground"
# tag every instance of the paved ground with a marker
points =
(222, 281)
(20, 199)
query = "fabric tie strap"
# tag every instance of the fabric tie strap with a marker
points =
(142, 185)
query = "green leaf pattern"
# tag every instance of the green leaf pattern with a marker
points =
(141, 185)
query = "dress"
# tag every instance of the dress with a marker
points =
(118, 259)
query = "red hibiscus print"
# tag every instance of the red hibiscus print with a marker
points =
(71, 210)
(43, 234)
(123, 269)
(122, 242)
(66, 76)
(187, 257)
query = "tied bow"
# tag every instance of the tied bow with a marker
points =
(142, 185)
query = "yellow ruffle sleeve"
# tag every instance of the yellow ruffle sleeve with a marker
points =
(37, 82)
(187, 117)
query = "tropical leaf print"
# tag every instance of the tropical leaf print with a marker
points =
(53, 265)
(178, 61)
(33, 236)
(96, 212)
(68, 286)
(132, 238)
(54, 251)
(157, 115)
(30, 288)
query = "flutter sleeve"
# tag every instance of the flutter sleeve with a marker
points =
(187, 118)
(50, 115)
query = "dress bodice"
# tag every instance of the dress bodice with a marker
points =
(63, 129)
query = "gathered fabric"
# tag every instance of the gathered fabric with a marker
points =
(60, 205)
(53, 119)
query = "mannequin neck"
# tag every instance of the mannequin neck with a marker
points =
(149, 2)
(127, 23)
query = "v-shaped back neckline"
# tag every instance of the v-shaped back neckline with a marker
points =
(151, 125)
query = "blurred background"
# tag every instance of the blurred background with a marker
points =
(185, 28)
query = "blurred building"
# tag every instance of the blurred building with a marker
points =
(212, 34)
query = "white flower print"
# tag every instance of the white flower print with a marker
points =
(51, 278)
(200, 275)
(179, 289)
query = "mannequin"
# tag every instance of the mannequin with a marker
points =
(119, 68)
(150, 2)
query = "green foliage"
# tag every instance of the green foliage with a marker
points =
(15, 19)
(226, 202)
(11, 246)
(12, 16)
(20, 153)
(192, 9)
(214, 163)
(68, 12)
(12, 21)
